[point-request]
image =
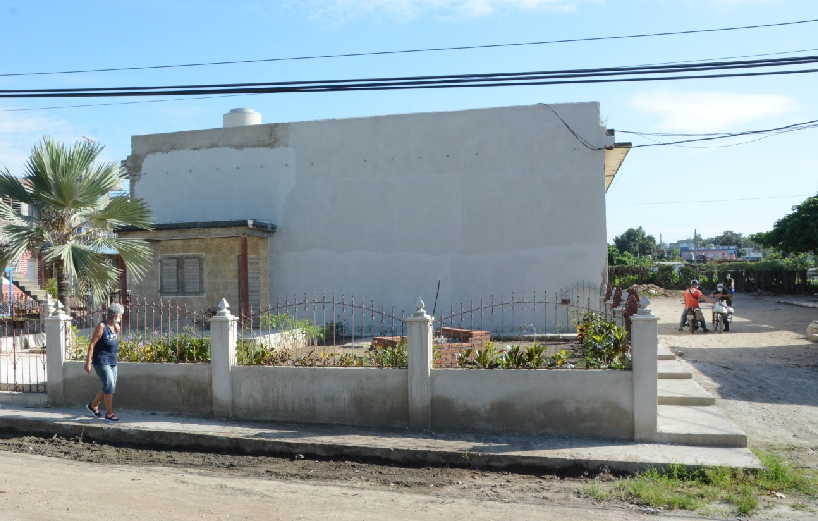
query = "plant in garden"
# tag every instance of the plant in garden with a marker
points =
(397, 356)
(535, 356)
(73, 218)
(605, 344)
(514, 358)
(286, 322)
(560, 358)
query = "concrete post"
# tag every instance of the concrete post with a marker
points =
(419, 337)
(223, 335)
(644, 350)
(56, 329)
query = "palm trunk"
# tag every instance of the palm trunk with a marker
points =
(62, 285)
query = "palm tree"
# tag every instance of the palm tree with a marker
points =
(73, 217)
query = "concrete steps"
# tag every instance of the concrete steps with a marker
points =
(672, 369)
(665, 354)
(701, 426)
(678, 391)
(30, 288)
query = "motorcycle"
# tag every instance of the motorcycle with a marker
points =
(722, 316)
(694, 319)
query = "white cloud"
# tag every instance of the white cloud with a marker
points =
(709, 111)
(20, 131)
(407, 9)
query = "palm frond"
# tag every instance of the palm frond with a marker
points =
(9, 215)
(136, 254)
(83, 263)
(18, 239)
(122, 211)
(13, 187)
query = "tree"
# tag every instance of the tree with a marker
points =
(729, 238)
(635, 241)
(73, 218)
(796, 232)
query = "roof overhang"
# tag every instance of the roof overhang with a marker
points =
(200, 230)
(614, 157)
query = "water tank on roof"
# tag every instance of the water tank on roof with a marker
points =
(241, 117)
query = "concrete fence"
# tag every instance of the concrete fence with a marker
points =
(595, 403)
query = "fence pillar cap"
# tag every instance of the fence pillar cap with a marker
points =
(223, 310)
(420, 312)
(644, 306)
(57, 311)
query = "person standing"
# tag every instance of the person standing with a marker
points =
(102, 354)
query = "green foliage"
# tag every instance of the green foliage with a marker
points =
(51, 287)
(74, 217)
(560, 358)
(796, 232)
(626, 258)
(604, 343)
(515, 358)
(678, 487)
(397, 356)
(635, 241)
(183, 348)
(286, 322)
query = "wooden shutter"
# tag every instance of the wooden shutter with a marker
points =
(192, 275)
(168, 280)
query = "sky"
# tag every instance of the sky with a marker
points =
(669, 191)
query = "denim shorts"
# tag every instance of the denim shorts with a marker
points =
(107, 375)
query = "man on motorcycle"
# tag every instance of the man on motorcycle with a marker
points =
(722, 293)
(692, 297)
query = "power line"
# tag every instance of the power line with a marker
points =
(135, 102)
(558, 73)
(794, 127)
(416, 50)
(557, 77)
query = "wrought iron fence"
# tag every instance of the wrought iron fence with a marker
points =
(152, 330)
(522, 314)
(319, 331)
(22, 350)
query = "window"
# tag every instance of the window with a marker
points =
(180, 275)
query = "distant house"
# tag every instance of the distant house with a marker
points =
(486, 201)
(713, 253)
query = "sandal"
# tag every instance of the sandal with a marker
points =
(94, 413)
(112, 418)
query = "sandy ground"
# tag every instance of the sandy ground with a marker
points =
(37, 488)
(764, 372)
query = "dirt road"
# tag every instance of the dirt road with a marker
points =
(764, 373)
(37, 488)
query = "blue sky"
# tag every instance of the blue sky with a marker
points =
(659, 188)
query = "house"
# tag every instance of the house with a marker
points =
(713, 253)
(486, 201)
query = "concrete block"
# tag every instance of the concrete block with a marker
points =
(683, 391)
(667, 369)
(700, 426)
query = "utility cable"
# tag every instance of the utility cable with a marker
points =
(378, 81)
(418, 50)
(414, 82)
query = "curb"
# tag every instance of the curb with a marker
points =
(207, 442)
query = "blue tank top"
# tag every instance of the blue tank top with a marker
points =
(107, 347)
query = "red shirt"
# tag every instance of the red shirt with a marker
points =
(692, 298)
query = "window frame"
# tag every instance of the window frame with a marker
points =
(181, 291)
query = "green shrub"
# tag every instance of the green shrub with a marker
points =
(397, 356)
(605, 344)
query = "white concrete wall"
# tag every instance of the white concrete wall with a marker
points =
(344, 395)
(595, 403)
(488, 201)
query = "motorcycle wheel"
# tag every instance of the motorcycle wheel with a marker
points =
(717, 324)
(691, 321)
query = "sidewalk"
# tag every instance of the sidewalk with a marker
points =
(163, 431)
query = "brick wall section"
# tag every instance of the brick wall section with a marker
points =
(387, 341)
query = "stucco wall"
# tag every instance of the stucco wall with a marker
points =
(343, 395)
(597, 403)
(150, 387)
(220, 274)
(488, 201)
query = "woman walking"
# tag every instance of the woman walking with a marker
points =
(102, 353)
